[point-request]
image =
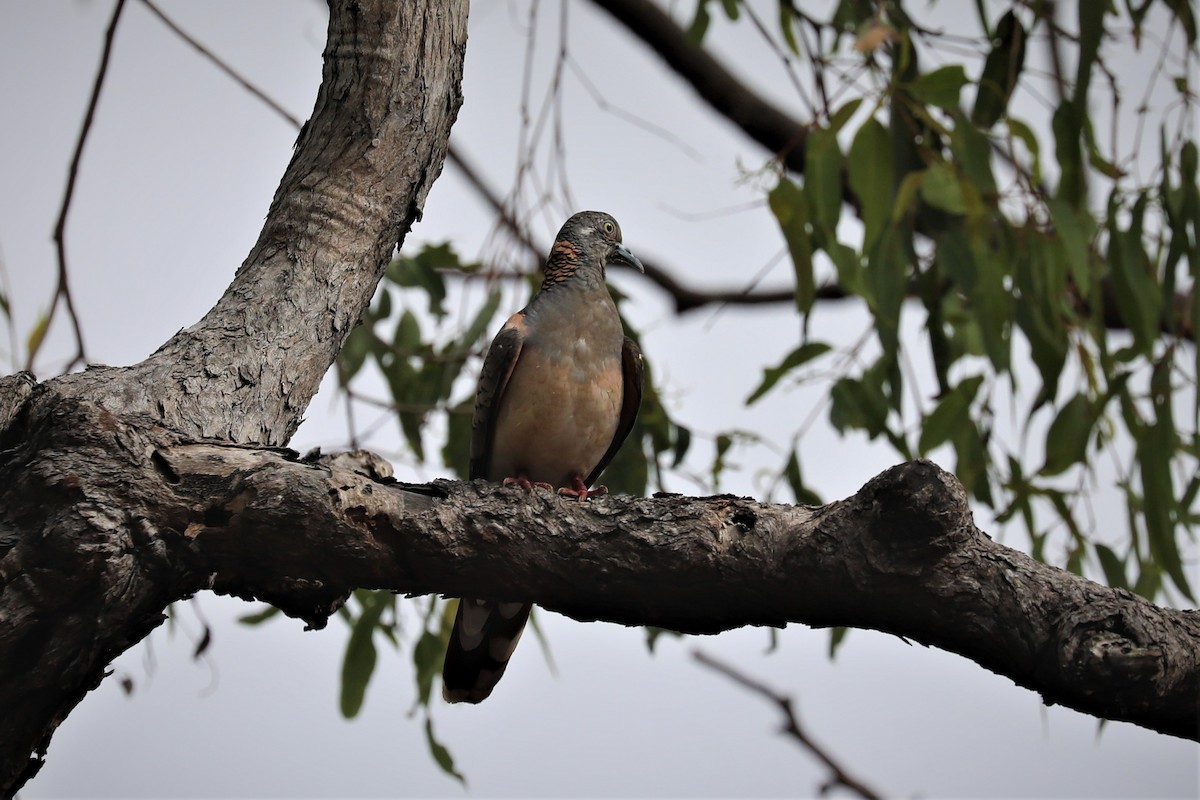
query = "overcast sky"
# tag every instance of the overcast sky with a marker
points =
(176, 180)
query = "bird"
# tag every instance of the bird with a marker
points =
(558, 393)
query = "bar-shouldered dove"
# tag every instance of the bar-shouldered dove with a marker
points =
(558, 394)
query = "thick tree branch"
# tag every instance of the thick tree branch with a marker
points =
(763, 122)
(363, 166)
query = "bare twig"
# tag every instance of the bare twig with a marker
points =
(685, 298)
(62, 290)
(791, 726)
(221, 65)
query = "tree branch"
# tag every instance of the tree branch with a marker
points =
(117, 522)
(763, 122)
(62, 290)
(792, 727)
(363, 166)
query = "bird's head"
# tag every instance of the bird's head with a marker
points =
(587, 242)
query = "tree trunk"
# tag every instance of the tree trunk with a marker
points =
(89, 556)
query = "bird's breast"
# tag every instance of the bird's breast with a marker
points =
(560, 410)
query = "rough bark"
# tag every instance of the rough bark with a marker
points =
(85, 564)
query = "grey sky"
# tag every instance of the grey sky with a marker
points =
(176, 180)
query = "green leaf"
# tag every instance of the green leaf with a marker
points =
(787, 203)
(771, 375)
(36, 336)
(456, 453)
(1066, 125)
(973, 151)
(259, 617)
(1041, 277)
(1067, 439)
(1113, 566)
(359, 660)
(823, 178)
(951, 416)
(359, 344)
(1137, 296)
(1023, 132)
(421, 271)
(1073, 229)
(839, 118)
(803, 494)
(1001, 71)
(1156, 444)
(837, 635)
(941, 87)
(787, 27)
(700, 21)
(870, 168)
(683, 441)
(941, 188)
(1091, 31)
(428, 654)
(441, 755)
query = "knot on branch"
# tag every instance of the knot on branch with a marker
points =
(1102, 646)
(916, 512)
(14, 392)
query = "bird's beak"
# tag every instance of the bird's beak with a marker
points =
(621, 255)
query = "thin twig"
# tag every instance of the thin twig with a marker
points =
(62, 290)
(791, 726)
(686, 298)
(221, 65)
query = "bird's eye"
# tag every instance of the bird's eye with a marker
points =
(609, 227)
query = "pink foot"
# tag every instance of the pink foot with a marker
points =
(523, 481)
(579, 490)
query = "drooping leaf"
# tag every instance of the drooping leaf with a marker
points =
(788, 205)
(1001, 71)
(358, 662)
(803, 494)
(441, 755)
(428, 654)
(941, 188)
(823, 179)
(799, 356)
(1113, 566)
(1155, 445)
(870, 168)
(259, 617)
(1067, 439)
(941, 87)
(950, 416)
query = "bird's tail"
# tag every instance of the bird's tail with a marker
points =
(484, 637)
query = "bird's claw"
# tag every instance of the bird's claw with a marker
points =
(579, 490)
(526, 484)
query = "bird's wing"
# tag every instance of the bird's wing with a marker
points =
(631, 400)
(498, 367)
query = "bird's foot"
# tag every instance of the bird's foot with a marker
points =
(526, 484)
(579, 490)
